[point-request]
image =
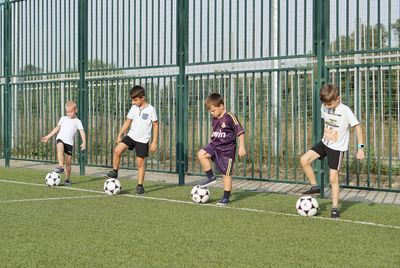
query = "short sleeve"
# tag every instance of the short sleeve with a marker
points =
(79, 124)
(131, 113)
(61, 121)
(154, 117)
(322, 111)
(351, 118)
(235, 124)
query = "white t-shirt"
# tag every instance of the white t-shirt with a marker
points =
(337, 123)
(68, 129)
(142, 123)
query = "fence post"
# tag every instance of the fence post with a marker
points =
(82, 66)
(320, 32)
(7, 86)
(181, 91)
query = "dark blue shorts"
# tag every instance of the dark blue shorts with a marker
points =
(223, 160)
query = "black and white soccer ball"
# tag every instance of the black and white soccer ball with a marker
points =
(200, 195)
(52, 179)
(307, 206)
(112, 186)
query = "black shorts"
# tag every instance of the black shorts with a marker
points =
(67, 147)
(141, 149)
(334, 157)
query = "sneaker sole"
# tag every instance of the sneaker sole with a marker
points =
(208, 184)
(221, 204)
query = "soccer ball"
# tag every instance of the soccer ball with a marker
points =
(307, 206)
(52, 179)
(200, 195)
(112, 186)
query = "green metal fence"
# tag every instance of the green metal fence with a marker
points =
(268, 58)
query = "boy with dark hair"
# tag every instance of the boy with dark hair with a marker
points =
(222, 148)
(141, 121)
(338, 118)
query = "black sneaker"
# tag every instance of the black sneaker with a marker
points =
(67, 182)
(223, 202)
(139, 189)
(313, 190)
(207, 182)
(112, 174)
(59, 170)
(335, 214)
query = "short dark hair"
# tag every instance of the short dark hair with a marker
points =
(137, 92)
(214, 99)
(328, 93)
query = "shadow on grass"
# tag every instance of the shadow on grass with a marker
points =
(82, 179)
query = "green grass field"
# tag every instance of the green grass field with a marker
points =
(79, 226)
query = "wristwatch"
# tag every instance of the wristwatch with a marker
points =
(360, 146)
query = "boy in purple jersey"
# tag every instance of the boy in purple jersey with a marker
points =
(222, 148)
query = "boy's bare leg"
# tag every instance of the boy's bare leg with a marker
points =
(60, 154)
(141, 169)
(227, 180)
(121, 147)
(204, 159)
(306, 160)
(67, 167)
(205, 162)
(334, 181)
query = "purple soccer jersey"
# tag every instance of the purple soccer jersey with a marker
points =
(222, 147)
(225, 131)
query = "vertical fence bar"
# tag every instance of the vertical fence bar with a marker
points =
(182, 95)
(82, 65)
(7, 85)
(321, 23)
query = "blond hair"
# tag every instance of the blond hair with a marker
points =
(71, 104)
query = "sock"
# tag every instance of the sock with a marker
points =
(210, 173)
(227, 194)
(335, 209)
(140, 185)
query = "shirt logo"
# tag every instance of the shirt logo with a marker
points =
(223, 125)
(145, 116)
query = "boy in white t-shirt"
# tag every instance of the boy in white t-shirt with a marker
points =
(142, 121)
(338, 118)
(66, 128)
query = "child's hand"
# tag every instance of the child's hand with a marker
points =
(360, 154)
(153, 147)
(83, 146)
(242, 151)
(45, 139)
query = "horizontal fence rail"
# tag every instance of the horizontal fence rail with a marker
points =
(109, 103)
(266, 57)
(273, 107)
(373, 93)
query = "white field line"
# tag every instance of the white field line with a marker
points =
(214, 205)
(50, 198)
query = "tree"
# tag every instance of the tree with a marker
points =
(396, 28)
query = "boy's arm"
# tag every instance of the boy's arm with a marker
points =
(83, 137)
(153, 146)
(360, 151)
(51, 134)
(123, 129)
(242, 148)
